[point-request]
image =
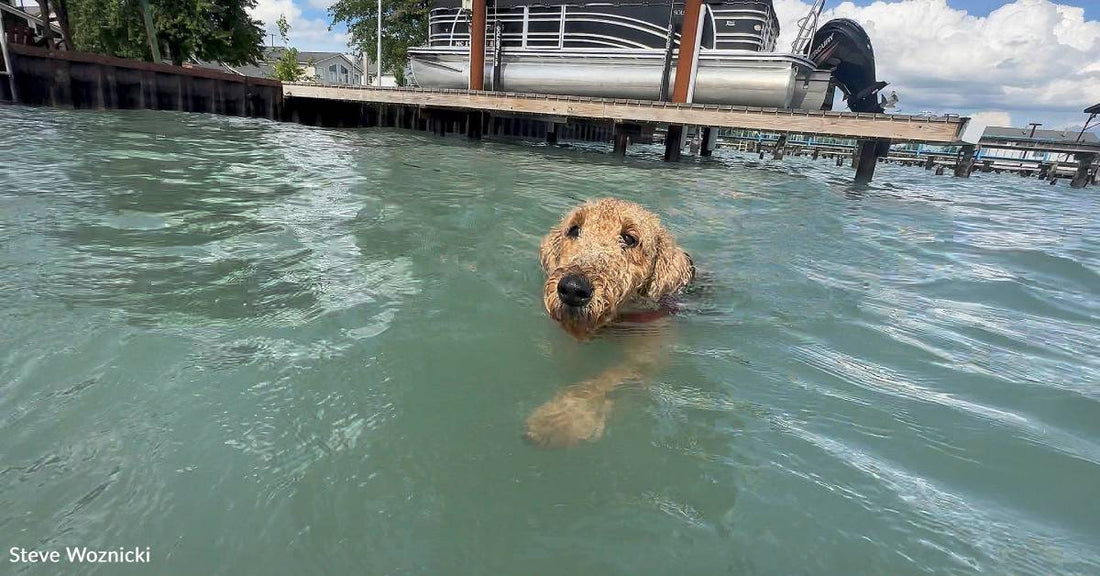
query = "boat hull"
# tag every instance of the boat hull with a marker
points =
(724, 77)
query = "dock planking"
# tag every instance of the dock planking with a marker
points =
(893, 127)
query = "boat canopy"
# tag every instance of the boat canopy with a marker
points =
(749, 25)
(761, 5)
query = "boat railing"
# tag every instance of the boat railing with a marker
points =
(591, 26)
(807, 27)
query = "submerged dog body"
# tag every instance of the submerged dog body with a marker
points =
(606, 258)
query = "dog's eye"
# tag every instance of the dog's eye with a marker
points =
(573, 231)
(628, 240)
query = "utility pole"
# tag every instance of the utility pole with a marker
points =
(378, 58)
(1033, 126)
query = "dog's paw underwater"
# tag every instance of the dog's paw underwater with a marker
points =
(573, 417)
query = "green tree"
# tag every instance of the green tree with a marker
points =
(404, 24)
(218, 30)
(108, 27)
(284, 28)
(286, 66)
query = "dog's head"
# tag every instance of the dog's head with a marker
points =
(603, 254)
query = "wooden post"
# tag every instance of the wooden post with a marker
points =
(477, 46)
(1084, 163)
(7, 62)
(965, 162)
(62, 12)
(929, 162)
(686, 59)
(473, 125)
(866, 159)
(621, 141)
(551, 132)
(673, 139)
(710, 141)
(780, 146)
(47, 31)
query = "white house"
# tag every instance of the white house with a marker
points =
(332, 67)
(326, 67)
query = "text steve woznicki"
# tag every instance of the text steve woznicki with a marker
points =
(79, 555)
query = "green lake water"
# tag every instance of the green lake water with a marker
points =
(263, 348)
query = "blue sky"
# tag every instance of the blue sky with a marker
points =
(984, 7)
(1008, 62)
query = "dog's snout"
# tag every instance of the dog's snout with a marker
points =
(575, 290)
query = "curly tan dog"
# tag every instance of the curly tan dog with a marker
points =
(608, 261)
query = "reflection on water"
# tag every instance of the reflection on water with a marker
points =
(261, 348)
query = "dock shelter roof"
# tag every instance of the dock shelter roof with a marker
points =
(1051, 136)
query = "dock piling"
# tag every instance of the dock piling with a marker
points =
(780, 145)
(473, 125)
(965, 164)
(621, 141)
(710, 141)
(477, 45)
(866, 157)
(673, 142)
(1084, 164)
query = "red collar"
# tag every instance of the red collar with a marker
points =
(644, 316)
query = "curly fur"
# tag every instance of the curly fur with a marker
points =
(649, 271)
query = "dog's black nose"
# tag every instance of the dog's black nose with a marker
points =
(575, 290)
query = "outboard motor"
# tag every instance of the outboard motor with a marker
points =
(842, 46)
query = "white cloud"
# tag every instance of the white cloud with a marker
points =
(992, 118)
(1025, 58)
(305, 33)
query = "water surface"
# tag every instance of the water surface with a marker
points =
(262, 348)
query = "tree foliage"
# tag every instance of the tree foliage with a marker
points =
(287, 68)
(404, 24)
(217, 30)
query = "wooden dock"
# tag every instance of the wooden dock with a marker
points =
(626, 118)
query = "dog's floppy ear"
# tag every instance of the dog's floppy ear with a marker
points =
(672, 270)
(550, 248)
